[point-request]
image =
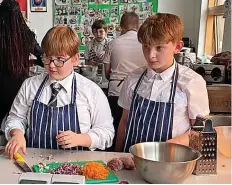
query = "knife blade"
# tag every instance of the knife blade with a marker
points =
(19, 160)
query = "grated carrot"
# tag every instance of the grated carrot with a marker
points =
(94, 170)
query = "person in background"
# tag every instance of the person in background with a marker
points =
(124, 54)
(17, 42)
(162, 100)
(95, 49)
(59, 109)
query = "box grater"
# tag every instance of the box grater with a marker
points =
(203, 138)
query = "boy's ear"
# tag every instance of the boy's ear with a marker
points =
(76, 59)
(179, 46)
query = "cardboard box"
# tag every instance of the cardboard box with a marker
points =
(219, 98)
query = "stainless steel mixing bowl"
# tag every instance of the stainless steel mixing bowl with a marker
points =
(88, 70)
(161, 162)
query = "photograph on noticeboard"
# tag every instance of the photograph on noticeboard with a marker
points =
(61, 10)
(105, 1)
(38, 5)
(76, 2)
(114, 11)
(73, 19)
(114, 2)
(61, 2)
(114, 20)
(74, 10)
(147, 6)
(134, 8)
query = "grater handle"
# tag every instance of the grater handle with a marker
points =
(208, 126)
(198, 124)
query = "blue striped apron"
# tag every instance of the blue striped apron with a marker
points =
(150, 120)
(46, 121)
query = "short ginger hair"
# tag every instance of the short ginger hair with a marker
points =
(161, 28)
(60, 40)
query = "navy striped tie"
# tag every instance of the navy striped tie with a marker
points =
(56, 87)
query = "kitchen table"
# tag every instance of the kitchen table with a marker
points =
(9, 173)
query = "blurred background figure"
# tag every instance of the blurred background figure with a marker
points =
(123, 55)
(95, 50)
(17, 43)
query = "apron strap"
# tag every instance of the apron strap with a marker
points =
(174, 84)
(105, 45)
(41, 87)
(92, 47)
(74, 89)
(120, 81)
(140, 81)
(92, 53)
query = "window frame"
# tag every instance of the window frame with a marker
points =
(210, 36)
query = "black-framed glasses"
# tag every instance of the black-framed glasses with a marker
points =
(58, 62)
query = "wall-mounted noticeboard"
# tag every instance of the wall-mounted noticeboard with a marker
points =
(80, 14)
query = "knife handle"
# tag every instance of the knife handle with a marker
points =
(18, 157)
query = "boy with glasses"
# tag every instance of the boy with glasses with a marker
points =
(95, 49)
(59, 109)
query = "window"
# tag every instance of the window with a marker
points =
(214, 27)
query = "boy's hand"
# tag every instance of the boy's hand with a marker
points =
(67, 139)
(16, 142)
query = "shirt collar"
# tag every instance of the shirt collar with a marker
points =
(65, 83)
(165, 75)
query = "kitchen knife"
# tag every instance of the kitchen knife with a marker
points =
(21, 162)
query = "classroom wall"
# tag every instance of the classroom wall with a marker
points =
(188, 10)
(227, 35)
(41, 22)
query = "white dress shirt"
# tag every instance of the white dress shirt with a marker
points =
(92, 106)
(124, 54)
(191, 98)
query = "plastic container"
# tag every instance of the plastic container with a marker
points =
(224, 140)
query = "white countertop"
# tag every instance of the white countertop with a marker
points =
(9, 172)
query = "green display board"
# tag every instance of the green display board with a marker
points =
(80, 14)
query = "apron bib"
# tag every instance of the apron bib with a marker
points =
(150, 120)
(46, 121)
